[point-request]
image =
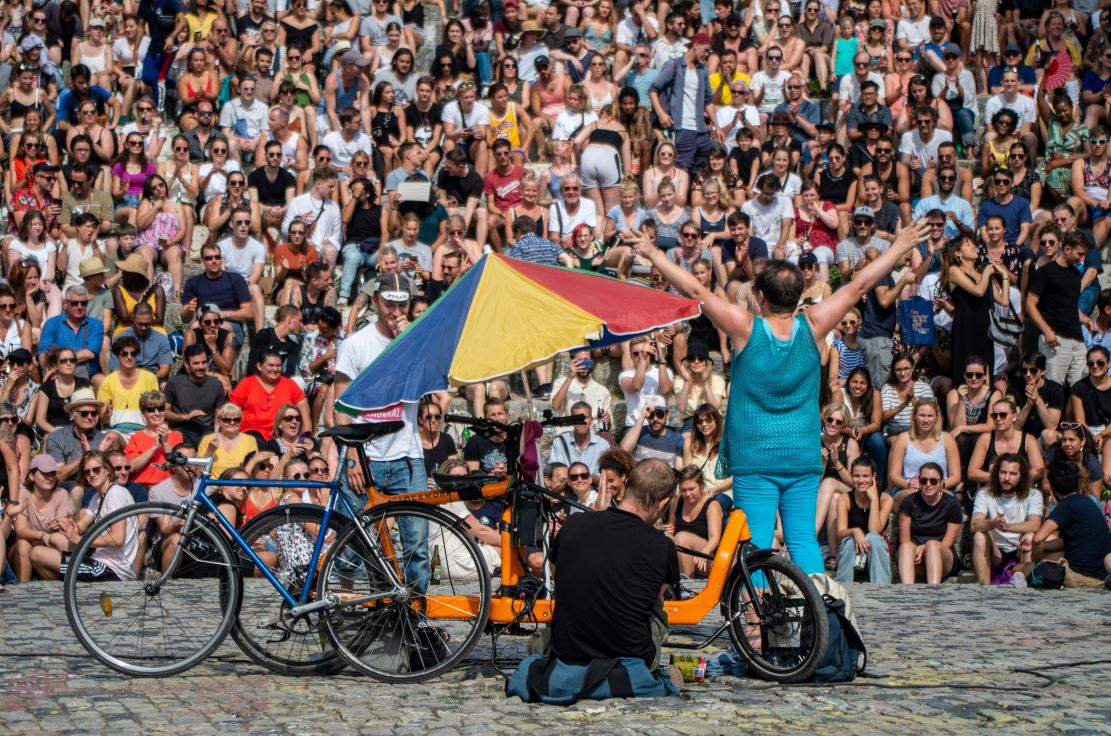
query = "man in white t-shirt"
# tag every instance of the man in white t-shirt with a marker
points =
(918, 147)
(574, 209)
(647, 383)
(768, 86)
(914, 30)
(347, 141)
(739, 114)
(320, 213)
(396, 460)
(770, 215)
(466, 126)
(246, 256)
(1021, 105)
(1005, 515)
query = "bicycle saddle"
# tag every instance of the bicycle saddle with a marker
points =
(357, 434)
(469, 487)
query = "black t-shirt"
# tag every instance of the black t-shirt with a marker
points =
(485, 452)
(887, 218)
(1058, 290)
(745, 160)
(366, 226)
(461, 188)
(271, 193)
(267, 339)
(423, 123)
(610, 568)
(931, 522)
(56, 414)
(435, 456)
(183, 396)
(1052, 393)
(1084, 533)
(1096, 403)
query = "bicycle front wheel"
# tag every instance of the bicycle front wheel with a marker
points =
(401, 617)
(131, 617)
(787, 639)
(265, 630)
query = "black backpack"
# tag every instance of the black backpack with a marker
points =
(846, 656)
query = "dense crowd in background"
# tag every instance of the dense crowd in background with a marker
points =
(313, 178)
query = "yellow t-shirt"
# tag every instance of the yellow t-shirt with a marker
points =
(126, 416)
(696, 397)
(727, 93)
(224, 459)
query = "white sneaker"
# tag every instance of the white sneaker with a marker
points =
(1019, 581)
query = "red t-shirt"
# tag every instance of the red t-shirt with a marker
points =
(506, 190)
(139, 443)
(259, 407)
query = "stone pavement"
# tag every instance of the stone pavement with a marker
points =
(942, 660)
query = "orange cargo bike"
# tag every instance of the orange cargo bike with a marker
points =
(408, 592)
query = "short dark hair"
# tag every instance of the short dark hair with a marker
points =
(193, 351)
(781, 283)
(522, 225)
(1063, 476)
(124, 341)
(864, 461)
(86, 218)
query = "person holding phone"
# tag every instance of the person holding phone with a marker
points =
(579, 386)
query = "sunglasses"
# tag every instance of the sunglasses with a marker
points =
(570, 189)
(94, 470)
(999, 414)
(212, 257)
(578, 476)
(211, 322)
(1026, 371)
(87, 413)
(973, 374)
(128, 353)
(322, 470)
(9, 420)
(231, 420)
(775, 58)
(292, 418)
(298, 476)
(79, 304)
(835, 422)
(659, 413)
(1048, 241)
(689, 236)
(155, 408)
(67, 361)
(999, 180)
(432, 417)
(929, 481)
(1097, 363)
(1068, 425)
(1098, 141)
(862, 223)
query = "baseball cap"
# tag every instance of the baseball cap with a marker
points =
(354, 57)
(44, 463)
(937, 21)
(701, 38)
(656, 401)
(733, 19)
(877, 23)
(42, 167)
(393, 287)
(572, 32)
(808, 259)
(864, 211)
(1012, 48)
(541, 60)
(952, 49)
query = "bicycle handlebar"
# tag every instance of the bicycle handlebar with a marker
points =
(176, 459)
(572, 420)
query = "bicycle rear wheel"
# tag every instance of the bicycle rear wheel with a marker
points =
(265, 629)
(140, 627)
(788, 641)
(426, 628)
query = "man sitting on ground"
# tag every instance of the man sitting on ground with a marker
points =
(610, 616)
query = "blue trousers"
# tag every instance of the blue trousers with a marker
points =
(795, 499)
(965, 122)
(484, 67)
(354, 258)
(406, 475)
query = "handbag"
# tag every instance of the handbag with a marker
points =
(1005, 330)
(916, 321)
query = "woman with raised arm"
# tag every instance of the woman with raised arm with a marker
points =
(771, 423)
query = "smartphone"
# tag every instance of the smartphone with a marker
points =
(304, 436)
(197, 35)
(587, 364)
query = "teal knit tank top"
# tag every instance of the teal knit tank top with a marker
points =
(773, 420)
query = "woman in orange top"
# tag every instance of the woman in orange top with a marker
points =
(148, 447)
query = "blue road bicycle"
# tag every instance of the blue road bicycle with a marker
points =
(184, 578)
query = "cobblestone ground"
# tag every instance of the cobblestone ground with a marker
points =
(943, 661)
